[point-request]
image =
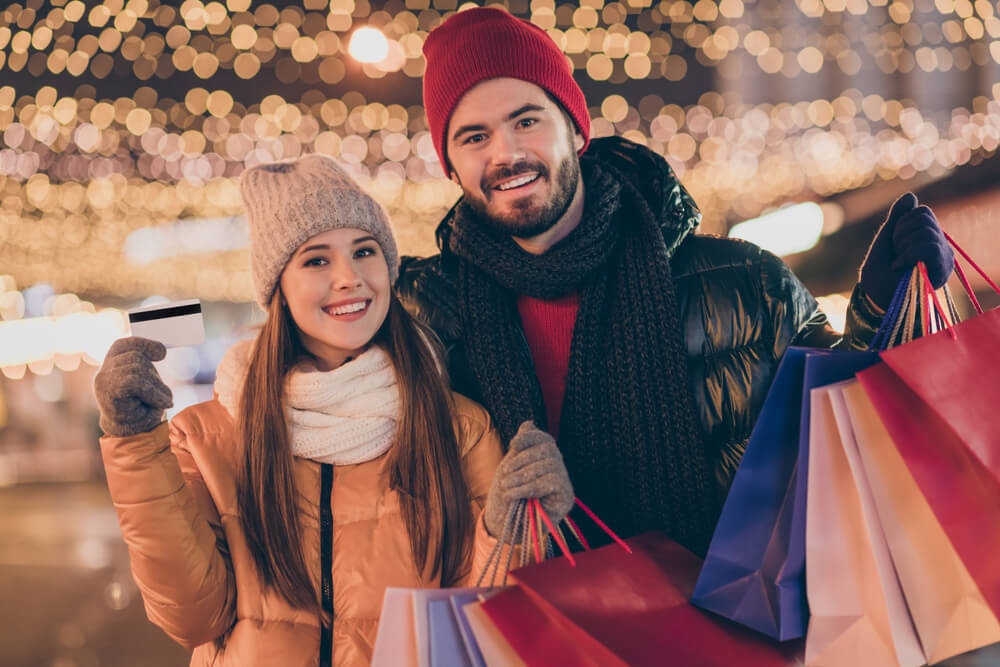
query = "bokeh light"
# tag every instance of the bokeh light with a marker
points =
(368, 45)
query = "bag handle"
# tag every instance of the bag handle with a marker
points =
(529, 516)
(961, 273)
(929, 291)
(929, 306)
(893, 315)
(604, 526)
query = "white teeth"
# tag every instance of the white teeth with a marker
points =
(350, 308)
(518, 182)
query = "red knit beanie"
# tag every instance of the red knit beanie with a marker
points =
(486, 43)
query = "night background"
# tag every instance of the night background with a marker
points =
(124, 127)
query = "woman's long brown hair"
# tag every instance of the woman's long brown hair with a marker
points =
(424, 462)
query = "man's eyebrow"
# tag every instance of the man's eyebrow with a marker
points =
(465, 129)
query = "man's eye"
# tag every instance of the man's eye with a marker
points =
(475, 138)
(526, 122)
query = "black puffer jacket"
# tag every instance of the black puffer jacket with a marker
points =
(740, 308)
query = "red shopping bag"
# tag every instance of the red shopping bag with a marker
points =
(935, 397)
(636, 606)
(961, 490)
(541, 636)
(954, 373)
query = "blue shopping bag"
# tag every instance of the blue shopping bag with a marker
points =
(447, 647)
(754, 572)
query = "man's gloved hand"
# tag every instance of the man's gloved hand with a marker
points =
(909, 235)
(130, 393)
(532, 468)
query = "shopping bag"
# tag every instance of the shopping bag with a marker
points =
(748, 575)
(406, 635)
(421, 599)
(636, 605)
(955, 374)
(858, 614)
(960, 490)
(934, 397)
(947, 607)
(493, 646)
(458, 602)
(754, 571)
(396, 640)
(446, 646)
(541, 636)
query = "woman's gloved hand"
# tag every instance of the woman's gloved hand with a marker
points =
(532, 468)
(130, 393)
(909, 235)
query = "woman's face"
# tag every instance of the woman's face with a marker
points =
(337, 289)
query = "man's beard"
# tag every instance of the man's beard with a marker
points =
(526, 219)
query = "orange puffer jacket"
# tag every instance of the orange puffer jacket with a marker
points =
(175, 492)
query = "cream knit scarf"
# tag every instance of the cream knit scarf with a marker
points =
(344, 416)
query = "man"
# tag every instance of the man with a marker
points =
(571, 290)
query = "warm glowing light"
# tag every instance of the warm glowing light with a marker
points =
(785, 231)
(368, 45)
(835, 307)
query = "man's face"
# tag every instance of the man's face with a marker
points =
(514, 153)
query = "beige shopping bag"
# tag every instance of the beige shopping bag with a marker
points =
(396, 639)
(947, 607)
(858, 615)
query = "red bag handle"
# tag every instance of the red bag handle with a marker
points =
(961, 273)
(604, 526)
(929, 291)
(555, 533)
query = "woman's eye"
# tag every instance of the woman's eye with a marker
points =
(315, 261)
(365, 252)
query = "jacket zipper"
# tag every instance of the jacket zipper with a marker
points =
(326, 564)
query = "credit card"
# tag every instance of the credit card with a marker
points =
(174, 324)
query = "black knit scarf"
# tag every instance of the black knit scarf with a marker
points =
(629, 433)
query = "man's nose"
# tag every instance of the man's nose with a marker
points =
(507, 149)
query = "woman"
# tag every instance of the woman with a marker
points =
(264, 526)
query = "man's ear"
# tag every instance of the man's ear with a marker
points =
(578, 140)
(454, 177)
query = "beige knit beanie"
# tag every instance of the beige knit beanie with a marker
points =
(287, 203)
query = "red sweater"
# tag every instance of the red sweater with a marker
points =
(548, 326)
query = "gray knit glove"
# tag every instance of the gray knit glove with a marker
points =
(532, 468)
(130, 393)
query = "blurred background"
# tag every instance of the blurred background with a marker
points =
(124, 127)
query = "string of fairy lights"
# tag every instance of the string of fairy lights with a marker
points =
(82, 172)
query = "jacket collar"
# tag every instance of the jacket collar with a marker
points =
(647, 171)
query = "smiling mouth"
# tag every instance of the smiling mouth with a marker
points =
(349, 309)
(519, 182)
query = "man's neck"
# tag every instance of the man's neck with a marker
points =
(539, 245)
